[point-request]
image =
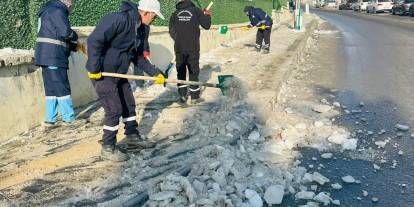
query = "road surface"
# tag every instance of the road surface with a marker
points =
(375, 67)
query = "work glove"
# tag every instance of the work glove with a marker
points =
(245, 28)
(147, 54)
(73, 46)
(207, 12)
(95, 76)
(160, 78)
(263, 27)
(81, 48)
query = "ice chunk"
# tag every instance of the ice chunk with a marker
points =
(274, 194)
(323, 198)
(348, 179)
(304, 195)
(321, 108)
(327, 155)
(254, 198)
(402, 127)
(254, 136)
(336, 186)
(319, 178)
(350, 144)
(381, 144)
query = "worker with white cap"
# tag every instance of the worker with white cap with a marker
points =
(115, 43)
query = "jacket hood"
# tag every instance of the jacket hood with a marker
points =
(184, 4)
(128, 6)
(57, 4)
(132, 10)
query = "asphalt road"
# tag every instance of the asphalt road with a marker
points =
(377, 68)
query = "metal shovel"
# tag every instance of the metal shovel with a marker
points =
(222, 79)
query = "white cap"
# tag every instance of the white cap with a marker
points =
(151, 6)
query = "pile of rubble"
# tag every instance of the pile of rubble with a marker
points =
(252, 164)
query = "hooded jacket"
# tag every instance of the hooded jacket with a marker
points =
(185, 25)
(55, 37)
(258, 17)
(118, 40)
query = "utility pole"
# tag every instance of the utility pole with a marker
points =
(298, 15)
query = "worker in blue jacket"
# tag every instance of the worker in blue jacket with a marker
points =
(55, 41)
(116, 42)
(259, 18)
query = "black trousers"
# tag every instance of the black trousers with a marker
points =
(263, 35)
(188, 61)
(116, 98)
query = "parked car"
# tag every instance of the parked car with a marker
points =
(402, 7)
(411, 10)
(331, 4)
(361, 5)
(375, 6)
(347, 5)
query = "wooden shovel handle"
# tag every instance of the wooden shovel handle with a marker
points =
(209, 6)
(138, 77)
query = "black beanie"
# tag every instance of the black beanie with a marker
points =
(247, 8)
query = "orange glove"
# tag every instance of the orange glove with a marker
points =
(147, 54)
(207, 12)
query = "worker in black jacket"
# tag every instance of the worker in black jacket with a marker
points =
(115, 43)
(259, 18)
(185, 31)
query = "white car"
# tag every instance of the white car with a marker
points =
(375, 6)
(331, 4)
(361, 5)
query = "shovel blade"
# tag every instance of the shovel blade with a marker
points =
(224, 30)
(224, 81)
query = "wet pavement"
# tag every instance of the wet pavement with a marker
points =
(375, 66)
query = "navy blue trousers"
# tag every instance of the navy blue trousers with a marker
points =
(57, 90)
(115, 96)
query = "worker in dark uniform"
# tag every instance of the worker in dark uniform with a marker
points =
(184, 29)
(55, 41)
(114, 44)
(259, 18)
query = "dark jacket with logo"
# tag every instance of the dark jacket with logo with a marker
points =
(184, 26)
(258, 18)
(117, 41)
(54, 25)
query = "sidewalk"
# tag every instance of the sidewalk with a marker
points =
(63, 166)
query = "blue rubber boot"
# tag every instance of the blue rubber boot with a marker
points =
(66, 108)
(51, 109)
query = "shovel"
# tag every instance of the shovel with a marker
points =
(224, 29)
(222, 79)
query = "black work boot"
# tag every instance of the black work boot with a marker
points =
(182, 101)
(111, 152)
(257, 48)
(197, 100)
(266, 49)
(134, 141)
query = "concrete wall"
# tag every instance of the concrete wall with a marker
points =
(21, 86)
